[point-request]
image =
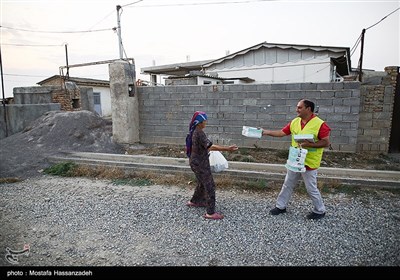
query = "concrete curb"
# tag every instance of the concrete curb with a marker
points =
(242, 170)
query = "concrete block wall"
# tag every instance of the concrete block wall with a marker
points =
(165, 112)
(87, 99)
(29, 104)
(45, 94)
(19, 116)
(33, 95)
(32, 102)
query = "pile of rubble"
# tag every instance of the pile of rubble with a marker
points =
(24, 154)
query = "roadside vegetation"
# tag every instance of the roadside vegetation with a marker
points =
(119, 176)
(330, 158)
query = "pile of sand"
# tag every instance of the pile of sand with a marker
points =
(24, 154)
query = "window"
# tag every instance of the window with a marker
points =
(96, 98)
(75, 103)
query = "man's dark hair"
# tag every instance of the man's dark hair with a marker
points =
(308, 103)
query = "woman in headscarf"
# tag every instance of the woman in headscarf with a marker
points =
(197, 149)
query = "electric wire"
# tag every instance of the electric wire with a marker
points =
(54, 32)
(101, 20)
(355, 45)
(201, 3)
(31, 45)
(353, 49)
(22, 75)
(382, 19)
(131, 3)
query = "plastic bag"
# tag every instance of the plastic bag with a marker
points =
(296, 159)
(218, 162)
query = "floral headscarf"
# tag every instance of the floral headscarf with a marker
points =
(197, 118)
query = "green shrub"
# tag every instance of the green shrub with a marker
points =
(61, 169)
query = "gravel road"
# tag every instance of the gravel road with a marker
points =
(89, 222)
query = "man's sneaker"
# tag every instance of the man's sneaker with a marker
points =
(315, 216)
(277, 211)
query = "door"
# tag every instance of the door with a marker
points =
(97, 102)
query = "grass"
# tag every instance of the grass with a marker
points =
(145, 178)
(9, 180)
(60, 169)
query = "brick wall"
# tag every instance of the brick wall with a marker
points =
(376, 101)
(67, 94)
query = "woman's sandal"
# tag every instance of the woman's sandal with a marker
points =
(192, 204)
(215, 216)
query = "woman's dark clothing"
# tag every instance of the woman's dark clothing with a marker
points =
(204, 192)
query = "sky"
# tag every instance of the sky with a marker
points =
(40, 36)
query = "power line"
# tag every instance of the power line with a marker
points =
(201, 3)
(60, 32)
(112, 12)
(131, 3)
(21, 75)
(30, 45)
(382, 19)
(353, 49)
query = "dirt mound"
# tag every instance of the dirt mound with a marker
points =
(24, 154)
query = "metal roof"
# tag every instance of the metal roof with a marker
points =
(281, 46)
(177, 69)
(245, 79)
(180, 69)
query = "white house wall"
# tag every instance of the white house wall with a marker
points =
(276, 65)
(105, 100)
(300, 73)
(316, 71)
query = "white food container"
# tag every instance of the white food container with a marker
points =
(252, 132)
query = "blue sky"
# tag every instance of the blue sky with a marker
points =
(156, 32)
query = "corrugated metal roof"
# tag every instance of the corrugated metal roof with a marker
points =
(180, 69)
(281, 46)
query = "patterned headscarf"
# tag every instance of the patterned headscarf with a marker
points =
(197, 118)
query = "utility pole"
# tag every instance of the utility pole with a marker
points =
(4, 99)
(361, 56)
(66, 58)
(119, 33)
(121, 50)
